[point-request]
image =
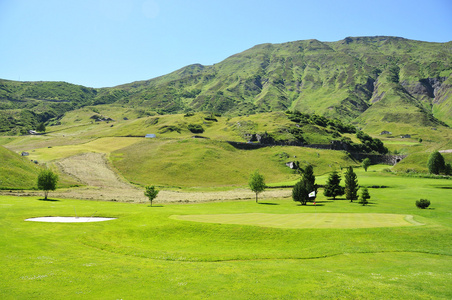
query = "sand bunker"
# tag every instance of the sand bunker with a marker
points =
(69, 219)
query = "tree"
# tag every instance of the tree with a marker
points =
(351, 184)
(448, 169)
(423, 203)
(332, 187)
(151, 192)
(257, 183)
(435, 163)
(364, 196)
(366, 163)
(309, 178)
(300, 193)
(47, 181)
(302, 189)
(41, 127)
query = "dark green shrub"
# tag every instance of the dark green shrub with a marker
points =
(423, 203)
(195, 128)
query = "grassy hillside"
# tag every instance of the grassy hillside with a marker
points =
(16, 171)
(368, 80)
(24, 105)
(204, 163)
(340, 78)
(176, 159)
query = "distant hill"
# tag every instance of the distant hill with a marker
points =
(371, 81)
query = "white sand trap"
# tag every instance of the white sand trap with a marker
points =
(69, 219)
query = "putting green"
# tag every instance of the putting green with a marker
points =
(308, 220)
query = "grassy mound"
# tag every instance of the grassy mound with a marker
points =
(297, 221)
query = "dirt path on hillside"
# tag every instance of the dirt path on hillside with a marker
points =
(102, 183)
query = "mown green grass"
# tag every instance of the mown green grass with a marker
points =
(306, 220)
(147, 254)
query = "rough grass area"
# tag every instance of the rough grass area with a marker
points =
(100, 145)
(17, 171)
(204, 163)
(298, 221)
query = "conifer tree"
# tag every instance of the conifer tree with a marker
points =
(302, 189)
(332, 187)
(309, 179)
(351, 185)
(364, 196)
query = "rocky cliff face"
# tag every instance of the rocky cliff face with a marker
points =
(425, 90)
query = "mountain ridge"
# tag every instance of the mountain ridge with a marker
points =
(363, 80)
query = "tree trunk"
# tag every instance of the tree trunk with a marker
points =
(256, 197)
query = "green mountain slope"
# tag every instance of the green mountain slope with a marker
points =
(16, 171)
(369, 80)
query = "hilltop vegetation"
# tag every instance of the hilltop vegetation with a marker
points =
(372, 81)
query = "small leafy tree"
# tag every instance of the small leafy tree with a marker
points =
(435, 163)
(332, 187)
(423, 203)
(300, 193)
(351, 185)
(257, 183)
(47, 181)
(151, 192)
(364, 196)
(366, 163)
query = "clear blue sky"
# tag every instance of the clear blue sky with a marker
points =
(102, 43)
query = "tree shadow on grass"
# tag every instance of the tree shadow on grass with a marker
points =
(268, 203)
(155, 205)
(325, 201)
(49, 200)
